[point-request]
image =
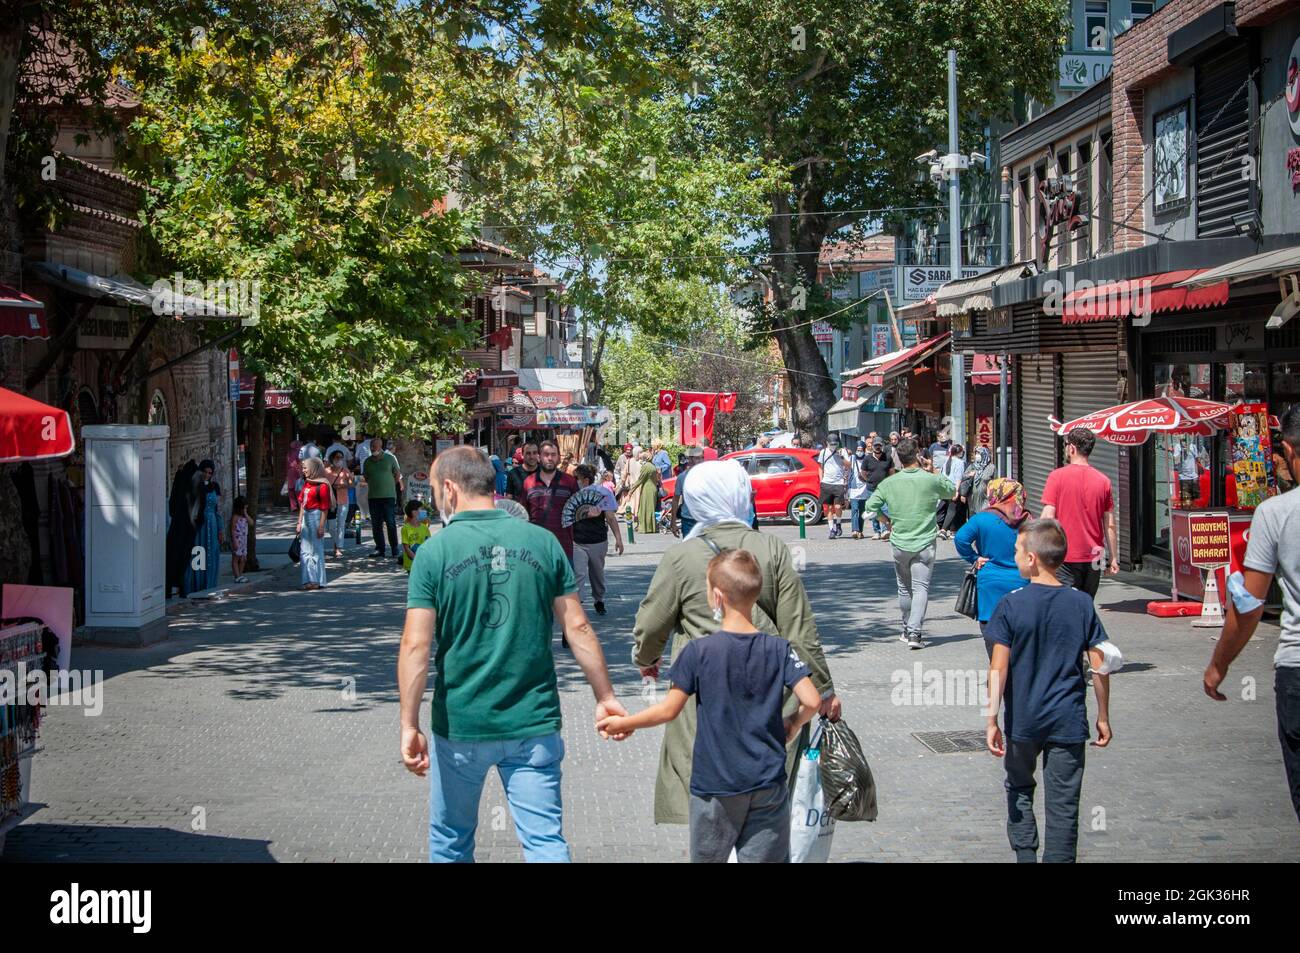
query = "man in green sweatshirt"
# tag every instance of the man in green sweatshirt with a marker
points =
(911, 497)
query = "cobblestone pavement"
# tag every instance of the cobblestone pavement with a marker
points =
(265, 728)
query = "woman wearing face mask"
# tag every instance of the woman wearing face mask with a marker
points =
(988, 541)
(859, 491)
(676, 607)
(207, 528)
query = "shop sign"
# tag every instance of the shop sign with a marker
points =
(1252, 455)
(1000, 321)
(418, 486)
(1058, 205)
(921, 281)
(876, 280)
(879, 340)
(1209, 538)
(984, 431)
(105, 329)
(1241, 336)
(1081, 70)
(232, 372)
(962, 325)
(822, 332)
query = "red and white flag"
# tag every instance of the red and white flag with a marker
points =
(697, 416)
(667, 401)
(726, 403)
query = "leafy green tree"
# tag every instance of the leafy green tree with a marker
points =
(841, 96)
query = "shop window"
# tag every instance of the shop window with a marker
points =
(1105, 197)
(1024, 226)
(1083, 188)
(1141, 9)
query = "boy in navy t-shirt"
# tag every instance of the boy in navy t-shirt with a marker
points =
(738, 675)
(1039, 635)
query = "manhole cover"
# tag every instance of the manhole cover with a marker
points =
(950, 742)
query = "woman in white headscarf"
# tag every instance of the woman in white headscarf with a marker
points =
(719, 497)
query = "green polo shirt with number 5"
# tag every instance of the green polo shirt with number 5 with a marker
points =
(492, 580)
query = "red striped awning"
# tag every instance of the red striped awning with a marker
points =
(905, 360)
(1139, 297)
(984, 369)
(21, 316)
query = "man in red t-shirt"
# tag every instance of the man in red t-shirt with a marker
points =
(1079, 497)
(546, 491)
(709, 452)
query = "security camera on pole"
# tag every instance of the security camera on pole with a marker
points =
(949, 167)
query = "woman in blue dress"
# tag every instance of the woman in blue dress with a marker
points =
(207, 532)
(988, 541)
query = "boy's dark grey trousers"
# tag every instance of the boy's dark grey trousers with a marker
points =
(1062, 783)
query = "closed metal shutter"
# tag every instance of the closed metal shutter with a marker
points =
(1088, 384)
(1223, 141)
(1037, 377)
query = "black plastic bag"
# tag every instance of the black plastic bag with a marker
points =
(848, 789)
(295, 550)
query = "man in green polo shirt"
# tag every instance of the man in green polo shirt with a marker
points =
(383, 482)
(910, 498)
(488, 585)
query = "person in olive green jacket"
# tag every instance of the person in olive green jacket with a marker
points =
(719, 496)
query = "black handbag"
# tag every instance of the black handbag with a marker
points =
(968, 595)
(295, 550)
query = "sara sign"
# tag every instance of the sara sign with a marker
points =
(921, 281)
(1081, 70)
(1210, 539)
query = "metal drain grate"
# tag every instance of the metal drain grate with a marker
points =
(951, 742)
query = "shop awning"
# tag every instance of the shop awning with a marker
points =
(272, 399)
(843, 415)
(30, 430)
(974, 294)
(1142, 297)
(126, 291)
(984, 369)
(903, 361)
(551, 399)
(573, 417)
(21, 316)
(921, 311)
(1266, 265)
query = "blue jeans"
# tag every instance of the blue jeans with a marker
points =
(529, 769)
(312, 563)
(855, 513)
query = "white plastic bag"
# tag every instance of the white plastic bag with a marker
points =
(811, 827)
(1112, 659)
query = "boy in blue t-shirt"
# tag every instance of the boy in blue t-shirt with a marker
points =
(1039, 635)
(738, 675)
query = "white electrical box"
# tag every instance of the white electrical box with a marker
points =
(126, 525)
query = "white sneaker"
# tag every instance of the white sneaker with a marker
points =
(904, 638)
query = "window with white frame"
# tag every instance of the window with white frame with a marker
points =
(1096, 24)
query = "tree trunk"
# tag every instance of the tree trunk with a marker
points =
(597, 378)
(812, 392)
(11, 38)
(256, 427)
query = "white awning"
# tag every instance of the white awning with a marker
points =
(974, 294)
(1283, 261)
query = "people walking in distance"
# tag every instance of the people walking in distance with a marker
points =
(877, 466)
(490, 586)
(835, 465)
(545, 493)
(974, 486)
(1040, 634)
(988, 542)
(591, 528)
(622, 466)
(340, 478)
(518, 474)
(1273, 553)
(313, 511)
(659, 457)
(240, 524)
(858, 491)
(676, 607)
(1079, 497)
(208, 535)
(645, 490)
(938, 451)
(682, 521)
(952, 512)
(894, 437)
(739, 790)
(383, 481)
(912, 497)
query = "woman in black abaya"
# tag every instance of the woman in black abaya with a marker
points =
(180, 531)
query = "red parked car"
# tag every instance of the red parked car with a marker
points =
(783, 480)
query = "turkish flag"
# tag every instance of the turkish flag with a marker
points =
(667, 401)
(726, 403)
(697, 416)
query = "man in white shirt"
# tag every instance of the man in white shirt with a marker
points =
(834, 464)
